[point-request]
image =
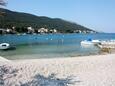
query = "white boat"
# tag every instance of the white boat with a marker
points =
(4, 46)
(85, 42)
(90, 42)
(107, 44)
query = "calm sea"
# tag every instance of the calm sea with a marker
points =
(51, 45)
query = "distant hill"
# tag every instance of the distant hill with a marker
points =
(23, 20)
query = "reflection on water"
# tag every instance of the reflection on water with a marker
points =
(50, 46)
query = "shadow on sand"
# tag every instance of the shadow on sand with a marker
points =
(7, 73)
(51, 80)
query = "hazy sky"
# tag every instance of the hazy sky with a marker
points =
(95, 14)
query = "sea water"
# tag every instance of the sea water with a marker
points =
(51, 45)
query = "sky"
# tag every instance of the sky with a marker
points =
(98, 15)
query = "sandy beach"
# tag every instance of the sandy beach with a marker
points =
(95, 70)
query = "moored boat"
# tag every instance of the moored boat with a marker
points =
(85, 42)
(4, 46)
(90, 42)
(107, 44)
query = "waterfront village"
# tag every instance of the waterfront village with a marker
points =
(30, 30)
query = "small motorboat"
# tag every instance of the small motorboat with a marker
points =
(85, 42)
(90, 42)
(4, 46)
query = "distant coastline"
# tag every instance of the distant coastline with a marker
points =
(17, 22)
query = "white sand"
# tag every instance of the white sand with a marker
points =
(96, 70)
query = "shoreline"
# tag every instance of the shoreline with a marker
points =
(3, 59)
(95, 70)
(36, 56)
(70, 57)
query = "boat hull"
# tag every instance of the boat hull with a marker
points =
(4, 46)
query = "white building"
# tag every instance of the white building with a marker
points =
(42, 30)
(55, 31)
(30, 30)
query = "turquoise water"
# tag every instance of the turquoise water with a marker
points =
(50, 45)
